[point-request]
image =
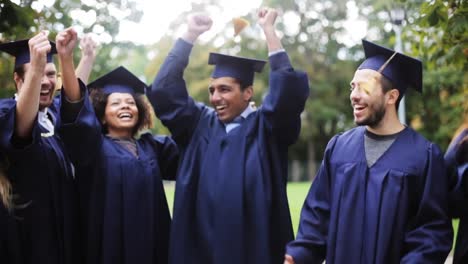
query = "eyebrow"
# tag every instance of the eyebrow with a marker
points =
(219, 86)
(225, 86)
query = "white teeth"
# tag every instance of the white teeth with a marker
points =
(359, 107)
(125, 115)
(220, 107)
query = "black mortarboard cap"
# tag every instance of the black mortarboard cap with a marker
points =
(240, 68)
(119, 80)
(20, 50)
(403, 71)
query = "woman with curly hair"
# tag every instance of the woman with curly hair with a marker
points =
(122, 198)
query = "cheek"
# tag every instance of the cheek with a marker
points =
(108, 111)
(135, 111)
(48, 79)
(368, 88)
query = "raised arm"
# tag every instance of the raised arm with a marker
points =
(169, 96)
(80, 129)
(66, 42)
(28, 95)
(266, 20)
(197, 24)
(289, 89)
(88, 56)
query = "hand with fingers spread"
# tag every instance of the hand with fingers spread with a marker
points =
(197, 24)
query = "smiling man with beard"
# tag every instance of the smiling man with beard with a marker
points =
(40, 172)
(380, 195)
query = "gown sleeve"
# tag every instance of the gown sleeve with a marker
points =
(429, 234)
(169, 96)
(8, 141)
(310, 245)
(80, 129)
(168, 157)
(286, 99)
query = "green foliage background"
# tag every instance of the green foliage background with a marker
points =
(435, 31)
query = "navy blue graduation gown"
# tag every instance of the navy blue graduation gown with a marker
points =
(123, 200)
(42, 178)
(230, 199)
(393, 212)
(10, 250)
(458, 173)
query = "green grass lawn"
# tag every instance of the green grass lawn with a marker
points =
(297, 192)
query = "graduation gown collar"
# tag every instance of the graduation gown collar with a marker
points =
(239, 119)
(363, 131)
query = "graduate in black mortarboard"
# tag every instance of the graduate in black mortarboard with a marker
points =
(380, 195)
(40, 171)
(126, 215)
(230, 200)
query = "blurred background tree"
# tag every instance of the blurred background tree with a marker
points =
(319, 36)
(23, 19)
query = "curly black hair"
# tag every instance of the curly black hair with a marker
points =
(99, 100)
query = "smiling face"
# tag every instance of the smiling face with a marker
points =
(228, 99)
(121, 115)
(48, 83)
(367, 98)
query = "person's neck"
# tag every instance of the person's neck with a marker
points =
(389, 125)
(240, 114)
(125, 135)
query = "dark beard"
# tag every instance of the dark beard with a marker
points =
(374, 119)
